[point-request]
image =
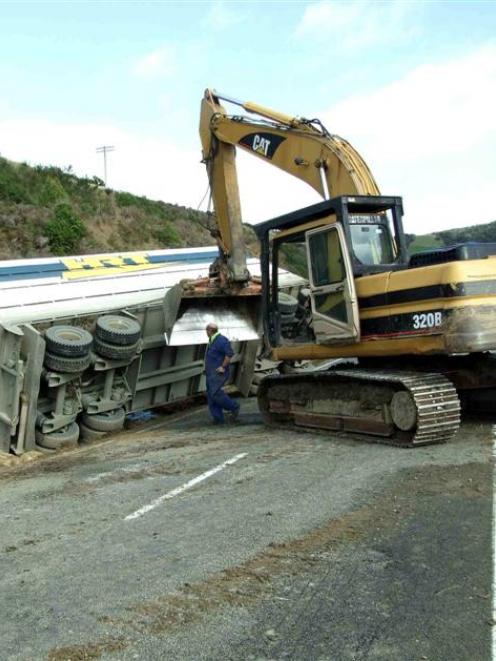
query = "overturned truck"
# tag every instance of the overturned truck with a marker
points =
(86, 340)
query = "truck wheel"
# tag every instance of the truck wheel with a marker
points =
(88, 435)
(115, 351)
(117, 330)
(64, 437)
(107, 421)
(65, 364)
(287, 304)
(287, 318)
(69, 341)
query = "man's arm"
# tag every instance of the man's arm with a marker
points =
(228, 354)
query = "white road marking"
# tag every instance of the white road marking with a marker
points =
(184, 487)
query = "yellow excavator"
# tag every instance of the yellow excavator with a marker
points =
(414, 334)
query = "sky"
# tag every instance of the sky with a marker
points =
(412, 86)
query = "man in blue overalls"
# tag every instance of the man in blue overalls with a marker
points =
(217, 358)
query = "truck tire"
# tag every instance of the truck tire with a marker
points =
(114, 329)
(107, 421)
(115, 351)
(88, 435)
(287, 318)
(71, 341)
(65, 437)
(65, 364)
(287, 304)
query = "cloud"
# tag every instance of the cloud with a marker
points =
(159, 63)
(431, 137)
(436, 108)
(267, 192)
(220, 16)
(326, 13)
(359, 23)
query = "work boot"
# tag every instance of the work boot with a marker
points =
(233, 415)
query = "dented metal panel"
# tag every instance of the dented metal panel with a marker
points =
(11, 380)
(33, 350)
(237, 320)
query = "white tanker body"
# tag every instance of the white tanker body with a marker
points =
(34, 290)
(47, 289)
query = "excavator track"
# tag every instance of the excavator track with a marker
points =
(394, 407)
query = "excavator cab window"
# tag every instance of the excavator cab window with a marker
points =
(327, 259)
(371, 239)
(292, 317)
(293, 256)
(332, 290)
(328, 269)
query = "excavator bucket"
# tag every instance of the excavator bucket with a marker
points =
(187, 313)
(191, 304)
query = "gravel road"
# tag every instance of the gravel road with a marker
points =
(306, 546)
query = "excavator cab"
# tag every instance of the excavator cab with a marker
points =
(329, 244)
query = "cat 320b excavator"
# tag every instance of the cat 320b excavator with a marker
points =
(419, 329)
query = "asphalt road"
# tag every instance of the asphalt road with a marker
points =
(307, 546)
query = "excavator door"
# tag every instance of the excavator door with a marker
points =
(332, 287)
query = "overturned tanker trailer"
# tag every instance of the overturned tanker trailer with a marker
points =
(85, 340)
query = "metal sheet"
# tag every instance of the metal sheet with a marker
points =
(236, 322)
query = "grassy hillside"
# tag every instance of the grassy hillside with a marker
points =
(423, 242)
(49, 211)
(484, 233)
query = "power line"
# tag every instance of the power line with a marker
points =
(103, 150)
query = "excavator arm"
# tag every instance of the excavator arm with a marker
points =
(300, 147)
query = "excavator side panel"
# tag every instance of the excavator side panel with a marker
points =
(445, 309)
(455, 301)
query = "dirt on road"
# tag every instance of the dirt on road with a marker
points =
(310, 547)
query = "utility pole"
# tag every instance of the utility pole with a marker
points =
(103, 150)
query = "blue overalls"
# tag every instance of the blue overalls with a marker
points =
(218, 348)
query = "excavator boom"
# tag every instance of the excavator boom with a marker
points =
(301, 147)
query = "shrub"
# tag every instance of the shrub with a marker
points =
(12, 185)
(65, 230)
(167, 235)
(125, 199)
(52, 192)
